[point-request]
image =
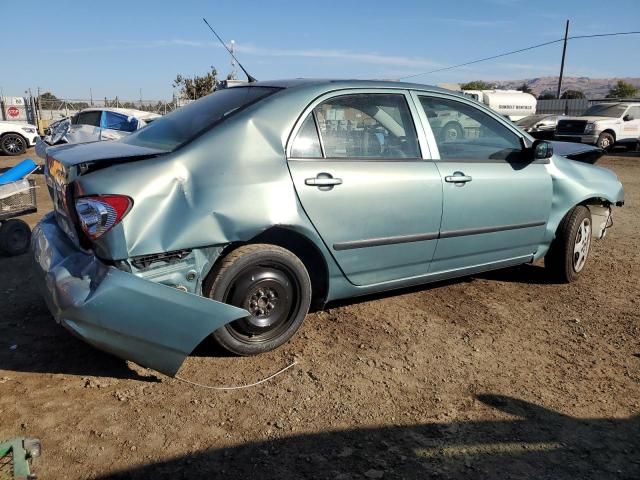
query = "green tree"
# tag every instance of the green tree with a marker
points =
(526, 89)
(622, 89)
(546, 95)
(195, 87)
(572, 94)
(476, 85)
(48, 96)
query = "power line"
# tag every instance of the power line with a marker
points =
(512, 52)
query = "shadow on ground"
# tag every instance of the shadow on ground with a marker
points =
(30, 340)
(536, 443)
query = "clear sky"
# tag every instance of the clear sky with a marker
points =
(118, 47)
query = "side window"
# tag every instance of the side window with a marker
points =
(89, 118)
(464, 132)
(115, 121)
(634, 112)
(307, 142)
(364, 126)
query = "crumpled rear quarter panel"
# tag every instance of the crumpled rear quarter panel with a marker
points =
(149, 323)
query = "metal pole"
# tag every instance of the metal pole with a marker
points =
(564, 51)
(91, 96)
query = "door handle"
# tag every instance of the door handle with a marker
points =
(458, 178)
(323, 180)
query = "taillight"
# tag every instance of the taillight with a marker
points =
(99, 214)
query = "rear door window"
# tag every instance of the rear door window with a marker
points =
(365, 126)
(117, 121)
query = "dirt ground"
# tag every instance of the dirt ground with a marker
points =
(503, 375)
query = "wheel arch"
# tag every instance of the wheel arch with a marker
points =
(610, 132)
(302, 247)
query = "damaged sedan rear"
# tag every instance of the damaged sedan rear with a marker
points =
(235, 215)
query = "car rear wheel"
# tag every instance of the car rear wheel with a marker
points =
(273, 285)
(569, 251)
(605, 141)
(15, 237)
(13, 144)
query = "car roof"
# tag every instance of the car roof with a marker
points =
(333, 84)
(130, 112)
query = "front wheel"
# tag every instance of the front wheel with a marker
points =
(569, 251)
(605, 141)
(13, 144)
(273, 285)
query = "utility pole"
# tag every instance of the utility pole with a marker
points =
(564, 51)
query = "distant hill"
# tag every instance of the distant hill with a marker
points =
(591, 87)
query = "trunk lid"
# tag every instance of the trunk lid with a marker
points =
(65, 163)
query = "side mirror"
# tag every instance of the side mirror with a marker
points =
(541, 150)
(627, 118)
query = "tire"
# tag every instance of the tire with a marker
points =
(605, 141)
(569, 251)
(15, 237)
(272, 284)
(451, 132)
(13, 144)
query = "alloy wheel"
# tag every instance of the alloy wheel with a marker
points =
(581, 245)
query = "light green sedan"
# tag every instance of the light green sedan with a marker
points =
(235, 215)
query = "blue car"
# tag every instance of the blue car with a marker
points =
(235, 215)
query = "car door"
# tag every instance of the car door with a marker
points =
(364, 184)
(496, 202)
(85, 127)
(631, 126)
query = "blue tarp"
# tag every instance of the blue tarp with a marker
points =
(24, 168)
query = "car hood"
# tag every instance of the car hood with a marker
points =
(16, 124)
(577, 151)
(589, 119)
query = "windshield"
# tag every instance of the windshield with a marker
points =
(605, 110)
(186, 123)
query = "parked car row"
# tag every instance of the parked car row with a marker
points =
(604, 125)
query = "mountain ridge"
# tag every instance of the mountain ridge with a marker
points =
(591, 87)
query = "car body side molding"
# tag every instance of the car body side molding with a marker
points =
(376, 242)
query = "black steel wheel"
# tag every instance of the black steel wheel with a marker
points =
(273, 285)
(15, 237)
(13, 144)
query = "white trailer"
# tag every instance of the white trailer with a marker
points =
(512, 104)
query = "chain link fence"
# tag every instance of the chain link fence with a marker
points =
(51, 110)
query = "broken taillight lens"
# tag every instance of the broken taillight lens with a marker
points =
(99, 214)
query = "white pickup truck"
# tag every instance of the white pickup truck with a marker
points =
(603, 125)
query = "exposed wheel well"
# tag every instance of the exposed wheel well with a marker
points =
(610, 132)
(305, 250)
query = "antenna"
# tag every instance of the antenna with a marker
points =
(249, 77)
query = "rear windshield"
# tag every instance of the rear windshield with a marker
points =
(186, 123)
(605, 110)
